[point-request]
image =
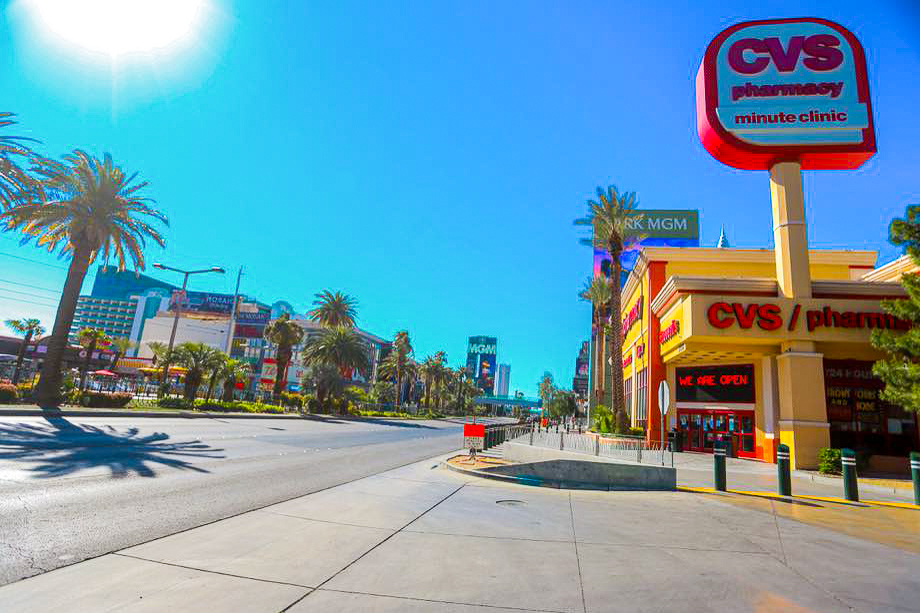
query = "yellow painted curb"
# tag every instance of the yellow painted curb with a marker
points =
(861, 503)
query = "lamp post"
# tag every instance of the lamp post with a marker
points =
(172, 335)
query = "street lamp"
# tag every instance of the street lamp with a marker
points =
(172, 335)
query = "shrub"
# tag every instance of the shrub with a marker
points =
(292, 400)
(25, 391)
(173, 403)
(829, 461)
(637, 431)
(105, 400)
(603, 419)
(8, 393)
(237, 407)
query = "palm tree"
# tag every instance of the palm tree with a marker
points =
(232, 371)
(198, 359)
(122, 345)
(93, 210)
(326, 380)
(440, 374)
(334, 309)
(610, 218)
(286, 334)
(16, 182)
(598, 292)
(429, 369)
(399, 362)
(339, 346)
(29, 328)
(89, 339)
(161, 356)
(214, 376)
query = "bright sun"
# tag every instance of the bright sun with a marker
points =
(118, 27)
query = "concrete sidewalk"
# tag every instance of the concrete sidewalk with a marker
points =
(422, 538)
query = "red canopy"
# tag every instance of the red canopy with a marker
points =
(104, 373)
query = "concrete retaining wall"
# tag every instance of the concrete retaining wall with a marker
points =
(569, 469)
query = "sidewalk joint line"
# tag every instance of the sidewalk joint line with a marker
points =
(581, 583)
(489, 536)
(213, 572)
(360, 557)
(417, 599)
(323, 521)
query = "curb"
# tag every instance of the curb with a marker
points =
(805, 498)
(140, 413)
(23, 412)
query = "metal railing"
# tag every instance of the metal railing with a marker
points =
(618, 448)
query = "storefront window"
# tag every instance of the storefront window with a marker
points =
(642, 398)
(627, 395)
(859, 419)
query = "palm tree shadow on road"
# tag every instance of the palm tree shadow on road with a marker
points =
(62, 448)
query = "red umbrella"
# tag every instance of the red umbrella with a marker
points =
(104, 373)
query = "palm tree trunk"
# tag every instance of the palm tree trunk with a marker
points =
(48, 391)
(211, 382)
(284, 357)
(398, 386)
(428, 392)
(616, 351)
(21, 356)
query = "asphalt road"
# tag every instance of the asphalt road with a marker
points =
(76, 487)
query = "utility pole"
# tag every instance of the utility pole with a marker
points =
(233, 313)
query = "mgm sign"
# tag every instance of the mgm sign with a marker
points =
(664, 224)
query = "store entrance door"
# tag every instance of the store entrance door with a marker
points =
(701, 428)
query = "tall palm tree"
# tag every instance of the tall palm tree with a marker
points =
(440, 374)
(340, 347)
(399, 362)
(286, 334)
(598, 292)
(428, 369)
(161, 356)
(610, 217)
(93, 209)
(16, 181)
(90, 339)
(198, 359)
(334, 309)
(29, 328)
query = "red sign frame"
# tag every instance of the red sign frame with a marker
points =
(730, 150)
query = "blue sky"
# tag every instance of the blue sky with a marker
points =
(429, 157)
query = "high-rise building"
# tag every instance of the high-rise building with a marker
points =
(503, 380)
(480, 361)
(582, 368)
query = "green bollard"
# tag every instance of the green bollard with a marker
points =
(915, 472)
(783, 470)
(718, 465)
(848, 463)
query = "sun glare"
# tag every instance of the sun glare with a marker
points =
(119, 27)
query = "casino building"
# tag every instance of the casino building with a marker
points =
(715, 324)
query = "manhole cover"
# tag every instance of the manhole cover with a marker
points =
(510, 503)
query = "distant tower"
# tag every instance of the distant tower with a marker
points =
(723, 242)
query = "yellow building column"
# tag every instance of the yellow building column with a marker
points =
(803, 422)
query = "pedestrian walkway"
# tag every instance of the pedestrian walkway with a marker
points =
(423, 538)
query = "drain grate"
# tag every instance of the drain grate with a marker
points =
(511, 503)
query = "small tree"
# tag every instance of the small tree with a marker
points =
(546, 388)
(90, 339)
(29, 328)
(900, 370)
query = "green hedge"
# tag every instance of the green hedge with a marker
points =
(105, 400)
(218, 406)
(8, 393)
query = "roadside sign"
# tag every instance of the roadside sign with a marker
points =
(664, 397)
(474, 436)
